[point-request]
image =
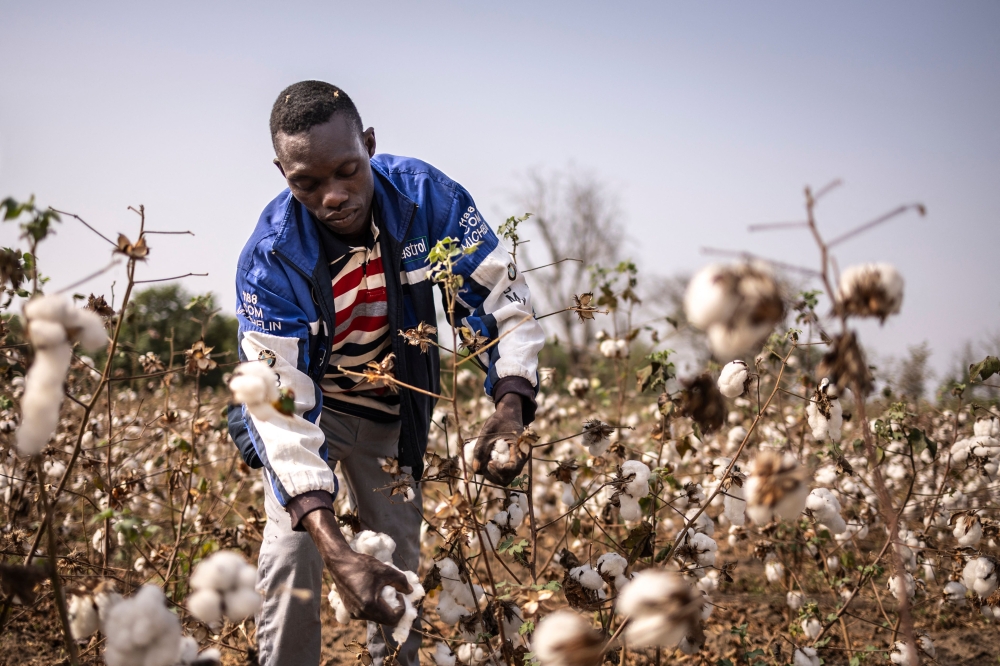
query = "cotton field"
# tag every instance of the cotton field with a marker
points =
(774, 507)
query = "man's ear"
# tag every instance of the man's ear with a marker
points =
(277, 163)
(369, 138)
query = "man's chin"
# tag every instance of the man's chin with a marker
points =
(348, 226)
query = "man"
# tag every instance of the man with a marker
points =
(334, 272)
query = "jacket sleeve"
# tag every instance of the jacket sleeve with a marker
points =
(273, 327)
(495, 302)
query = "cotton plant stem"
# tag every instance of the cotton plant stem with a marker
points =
(57, 589)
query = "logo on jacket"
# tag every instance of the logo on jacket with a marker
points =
(415, 250)
(268, 357)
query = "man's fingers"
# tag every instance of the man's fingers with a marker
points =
(399, 582)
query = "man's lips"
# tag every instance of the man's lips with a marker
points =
(340, 216)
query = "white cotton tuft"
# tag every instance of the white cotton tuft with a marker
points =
(638, 487)
(587, 577)
(734, 505)
(255, 385)
(500, 452)
(378, 545)
(826, 509)
(733, 379)
(87, 328)
(613, 348)
(805, 656)
(224, 586)
(564, 638)
(443, 656)
(812, 628)
(142, 632)
(968, 530)
(870, 290)
(707, 299)
(980, 576)
(954, 593)
(663, 609)
(795, 599)
(83, 617)
(43, 397)
(900, 586)
(774, 570)
(612, 564)
(823, 427)
(629, 508)
(903, 654)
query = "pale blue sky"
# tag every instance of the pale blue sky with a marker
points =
(704, 117)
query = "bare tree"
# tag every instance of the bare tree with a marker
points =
(577, 220)
(913, 371)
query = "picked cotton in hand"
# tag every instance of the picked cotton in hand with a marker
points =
(500, 452)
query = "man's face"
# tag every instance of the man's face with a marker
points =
(328, 171)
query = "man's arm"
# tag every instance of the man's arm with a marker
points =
(301, 477)
(496, 304)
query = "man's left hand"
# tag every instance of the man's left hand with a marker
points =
(506, 423)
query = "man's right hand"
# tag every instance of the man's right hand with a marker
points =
(359, 578)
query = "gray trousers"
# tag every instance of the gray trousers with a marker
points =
(288, 628)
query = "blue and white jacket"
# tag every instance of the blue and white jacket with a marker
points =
(285, 308)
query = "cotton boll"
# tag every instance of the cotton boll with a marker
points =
(903, 654)
(726, 341)
(795, 599)
(833, 564)
(611, 564)
(402, 629)
(43, 397)
(242, 603)
(776, 488)
(206, 605)
(663, 609)
(823, 427)
(87, 328)
(470, 653)
(900, 586)
(926, 645)
(805, 656)
(954, 593)
(448, 610)
(968, 530)
(83, 617)
(638, 487)
(516, 515)
(629, 508)
(613, 348)
(707, 299)
(443, 656)
(812, 628)
(587, 577)
(870, 290)
(49, 308)
(47, 334)
(188, 650)
(140, 630)
(980, 576)
(734, 505)
(774, 571)
(826, 508)
(732, 380)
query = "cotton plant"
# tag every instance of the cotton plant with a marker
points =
(635, 475)
(825, 413)
(224, 587)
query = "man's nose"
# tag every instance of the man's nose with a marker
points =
(334, 197)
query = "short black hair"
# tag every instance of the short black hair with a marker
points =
(303, 105)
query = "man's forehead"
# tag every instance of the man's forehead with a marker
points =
(332, 142)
